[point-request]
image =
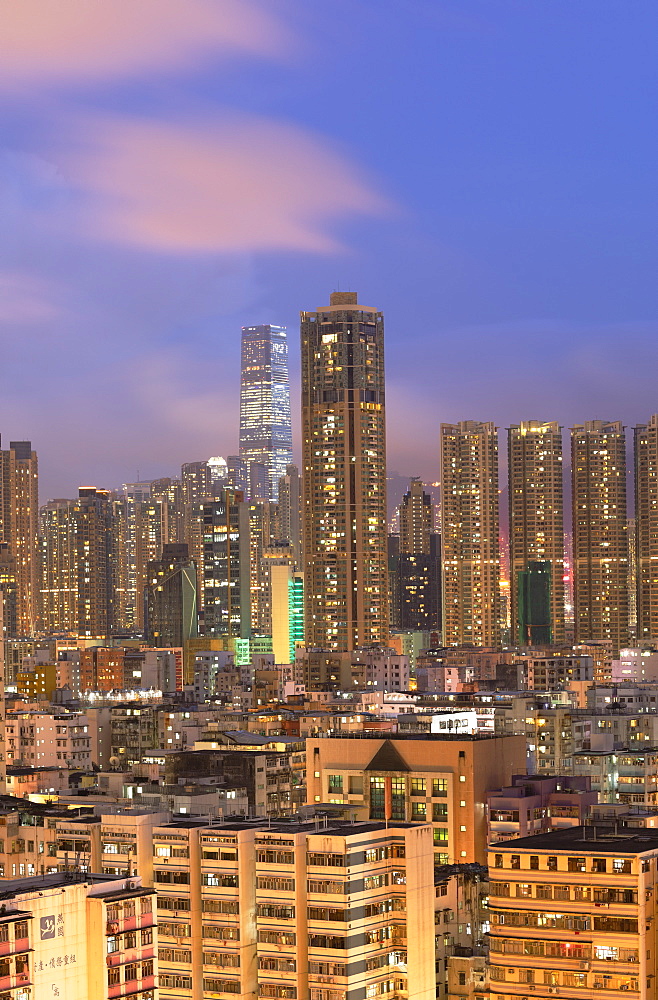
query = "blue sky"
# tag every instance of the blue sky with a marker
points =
(483, 171)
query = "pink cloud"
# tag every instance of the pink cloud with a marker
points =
(233, 184)
(69, 40)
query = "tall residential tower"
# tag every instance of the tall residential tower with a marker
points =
(19, 522)
(344, 475)
(265, 426)
(600, 533)
(536, 530)
(646, 528)
(469, 534)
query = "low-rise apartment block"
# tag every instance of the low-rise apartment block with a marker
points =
(573, 913)
(295, 911)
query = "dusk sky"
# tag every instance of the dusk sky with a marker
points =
(483, 171)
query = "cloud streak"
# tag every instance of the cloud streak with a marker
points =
(69, 41)
(236, 183)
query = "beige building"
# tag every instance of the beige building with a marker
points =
(536, 513)
(344, 475)
(77, 937)
(646, 529)
(573, 913)
(600, 533)
(48, 739)
(470, 534)
(295, 911)
(432, 778)
(19, 509)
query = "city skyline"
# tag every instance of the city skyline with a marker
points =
(513, 262)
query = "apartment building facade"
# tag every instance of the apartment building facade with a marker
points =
(573, 913)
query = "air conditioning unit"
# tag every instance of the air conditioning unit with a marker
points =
(131, 885)
(623, 986)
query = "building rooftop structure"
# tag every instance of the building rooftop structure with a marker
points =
(587, 838)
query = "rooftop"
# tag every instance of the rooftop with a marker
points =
(587, 839)
(337, 827)
(417, 737)
(37, 883)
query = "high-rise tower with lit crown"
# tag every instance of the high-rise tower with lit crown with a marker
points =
(265, 425)
(344, 474)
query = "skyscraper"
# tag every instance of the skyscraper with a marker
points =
(77, 563)
(414, 570)
(265, 426)
(344, 474)
(289, 528)
(170, 598)
(600, 533)
(19, 514)
(224, 566)
(536, 522)
(140, 531)
(95, 541)
(469, 534)
(416, 519)
(646, 528)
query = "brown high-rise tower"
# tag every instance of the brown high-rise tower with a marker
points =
(469, 534)
(646, 528)
(600, 532)
(344, 474)
(19, 528)
(536, 522)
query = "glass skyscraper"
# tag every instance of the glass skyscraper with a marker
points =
(265, 427)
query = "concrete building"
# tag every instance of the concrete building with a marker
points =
(442, 779)
(224, 568)
(344, 475)
(470, 562)
(573, 911)
(289, 517)
(548, 672)
(294, 910)
(48, 739)
(536, 515)
(19, 511)
(77, 564)
(600, 533)
(80, 937)
(533, 805)
(638, 666)
(461, 926)
(170, 597)
(646, 535)
(140, 531)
